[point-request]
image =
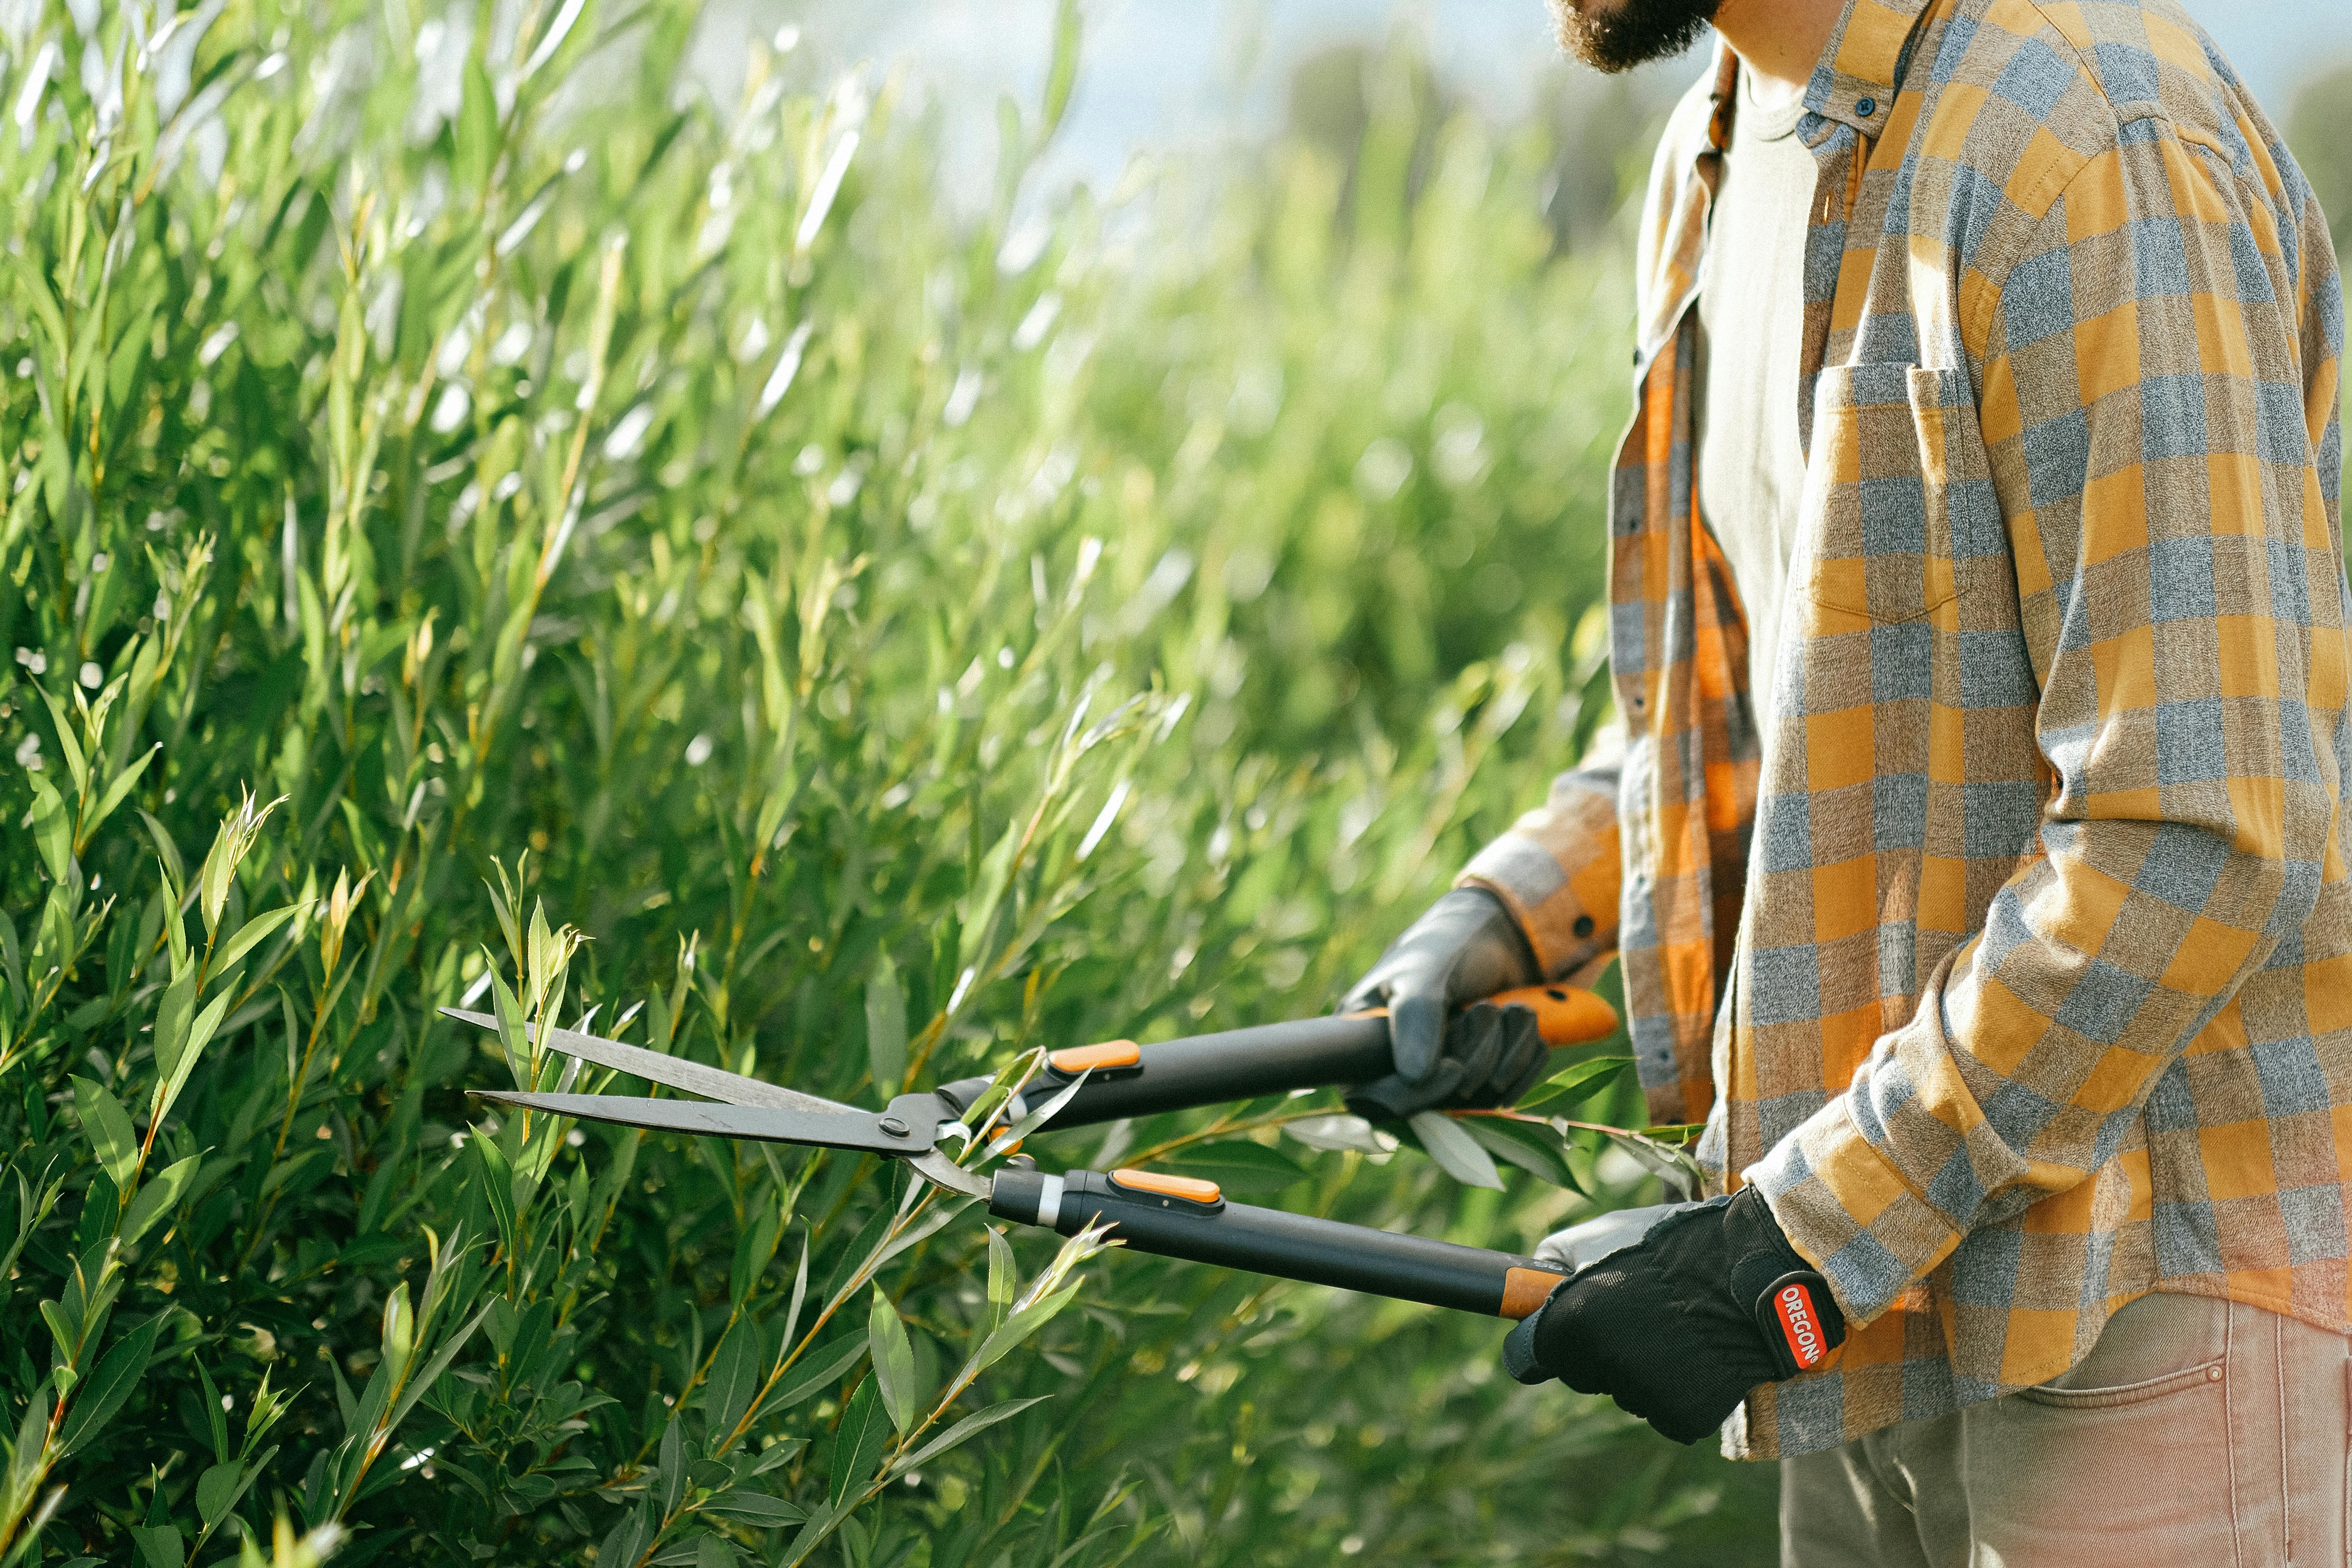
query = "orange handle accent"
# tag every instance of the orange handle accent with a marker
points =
(1524, 1289)
(1109, 1054)
(1191, 1189)
(1565, 1015)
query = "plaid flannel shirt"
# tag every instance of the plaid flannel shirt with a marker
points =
(2013, 958)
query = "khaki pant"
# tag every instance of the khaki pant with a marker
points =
(2199, 1434)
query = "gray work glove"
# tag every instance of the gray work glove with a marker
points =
(1580, 1245)
(1465, 948)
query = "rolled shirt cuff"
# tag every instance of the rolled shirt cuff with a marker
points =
(1846, 1210)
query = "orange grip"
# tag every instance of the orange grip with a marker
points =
(1565, 1015)
(1109, 1054)
(1191, 1189)
(1524, 1289)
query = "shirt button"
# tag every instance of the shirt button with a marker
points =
(1865, 107)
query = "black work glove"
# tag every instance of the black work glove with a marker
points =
(1679, 1325)
(1465, 948)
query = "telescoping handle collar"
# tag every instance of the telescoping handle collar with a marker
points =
(1188, 1218)
(1128, 1080)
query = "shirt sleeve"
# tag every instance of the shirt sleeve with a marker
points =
(1557, 869)
(2153, 427)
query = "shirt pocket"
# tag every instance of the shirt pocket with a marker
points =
(1893, 491)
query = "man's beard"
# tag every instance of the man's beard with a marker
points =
(1628, 33)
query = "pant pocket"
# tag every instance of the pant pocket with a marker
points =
(2126, 1459)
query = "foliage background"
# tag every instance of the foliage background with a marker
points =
(452, 473)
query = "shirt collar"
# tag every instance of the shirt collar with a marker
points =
(1854, 83)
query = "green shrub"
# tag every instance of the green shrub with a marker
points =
(481, 521)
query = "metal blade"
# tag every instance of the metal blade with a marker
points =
(842, 1129)
(671, 1072)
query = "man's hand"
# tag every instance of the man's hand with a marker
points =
(1677, 1325)
(1464, 949)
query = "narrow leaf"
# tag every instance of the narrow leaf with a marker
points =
(252, 932)
(886, 1026)
(110, 1385)
(964, 1430)
(894, 1359)
(1581, 1082)
(857, 1447)
(1456, 1153)
(52, 828)
(157, 1197)
(820, 1371)
(108, 1127)
(755, 1509)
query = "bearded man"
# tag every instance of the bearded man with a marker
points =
(1976, 856)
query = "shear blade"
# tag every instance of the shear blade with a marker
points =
(670, 1072)
(845, 1128)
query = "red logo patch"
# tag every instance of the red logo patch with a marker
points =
(1800, 1324)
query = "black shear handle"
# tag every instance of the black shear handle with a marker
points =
(1128, 1080)
(1181, 1216)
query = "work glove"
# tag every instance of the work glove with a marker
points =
(1679, 1320)
(1465, 948)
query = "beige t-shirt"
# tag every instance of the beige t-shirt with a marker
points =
(1751, 312)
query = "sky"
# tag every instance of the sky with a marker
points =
(1169, 74)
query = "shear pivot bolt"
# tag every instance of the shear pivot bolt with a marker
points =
(893, 1126)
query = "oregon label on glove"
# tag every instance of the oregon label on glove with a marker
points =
(1800, 1332)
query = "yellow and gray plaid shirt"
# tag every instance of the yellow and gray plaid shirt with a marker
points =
(2012, 958)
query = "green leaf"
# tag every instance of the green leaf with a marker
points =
(217, 1489)
(160, 1545)
(122, 785)
(965, 1430)
(1002, 1341)
(673, 1465)
(1581, 1082)
(75, 762)
(496, 1177)
(1457, 1153)
(820, 1371)
(886, 1026)
(893, 1360)
(252, 932)
(477, 127)
(52, 829)
(108, 1127)
(173, 1019)
(174, 868)
(858, 1447)
(1062, 74)
(1004, 1280)
(1535, 1147)
(157, 1197)
(734, 1380)
(200, 1034)
(754, 1251)
(755, 1509)
(1252, 1170)
(110, 1385)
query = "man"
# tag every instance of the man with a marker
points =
(1976, 858)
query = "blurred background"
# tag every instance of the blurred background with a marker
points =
(1163, 79)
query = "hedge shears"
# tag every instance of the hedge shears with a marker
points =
(1152, 1211)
